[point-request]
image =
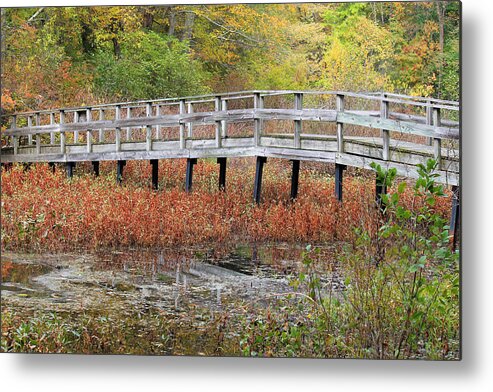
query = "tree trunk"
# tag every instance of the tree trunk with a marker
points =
(147, 18)
(87, 37)
(188, 29)
(116, 47)
(172, 22)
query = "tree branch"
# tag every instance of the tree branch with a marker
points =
(32, 18)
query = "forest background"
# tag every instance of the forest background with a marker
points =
(72, 56)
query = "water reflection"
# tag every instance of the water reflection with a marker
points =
(169, 279)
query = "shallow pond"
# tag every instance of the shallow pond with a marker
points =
(166, 279)
(190, 286)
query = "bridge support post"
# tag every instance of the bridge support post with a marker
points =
(295, 175)
(380, 189)
(119, 171)
(455, 216)
(95, 168)
(258, 179)
(338, 180)
(6, 166)
(222, 173)
(189, 175)
(52, 166)
(70, 166)
(155, 173)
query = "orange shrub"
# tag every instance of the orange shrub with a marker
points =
(42, 210)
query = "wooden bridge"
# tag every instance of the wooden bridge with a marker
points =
(344, 128)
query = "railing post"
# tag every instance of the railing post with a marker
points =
(257, 104)
(52, 134)
(298, 105)
(62, 133)
(38, 136)
(118, 135)
(29, 124)
(437, 142)
(101, 130)
(224, 124)
(148, 128)
(429, 119)
(76, 133)
(384, 114)
(89, 131)
(190, 125)
(182, 124)
(217, 108)
(158, 127)
(129, 129)
(340, 125)
(15, 144)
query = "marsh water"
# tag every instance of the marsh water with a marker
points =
(169, 280)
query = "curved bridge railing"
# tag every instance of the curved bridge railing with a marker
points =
(342, 127)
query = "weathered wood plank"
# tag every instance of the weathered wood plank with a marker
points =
(399, 126)
(409, 171)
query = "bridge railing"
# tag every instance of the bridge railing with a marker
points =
(48, 132)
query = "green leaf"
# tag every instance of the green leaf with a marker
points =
(401, 187)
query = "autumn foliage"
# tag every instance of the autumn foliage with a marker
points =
(42, 210)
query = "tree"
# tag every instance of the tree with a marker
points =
(151, 65)
(359, 54)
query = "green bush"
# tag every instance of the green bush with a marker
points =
(151, 66)
(401, 295)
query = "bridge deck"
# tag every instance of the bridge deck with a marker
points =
(51, 138)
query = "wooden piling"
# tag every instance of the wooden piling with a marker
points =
(189, 175)
(155, 173)
(70, 166)
(380, 189)
(119, 170)
(295, 175)
(339, 180)
(455, 216)
(222, 173)
(95, 168)
(258, 179)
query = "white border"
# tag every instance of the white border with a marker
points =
(473, 373)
